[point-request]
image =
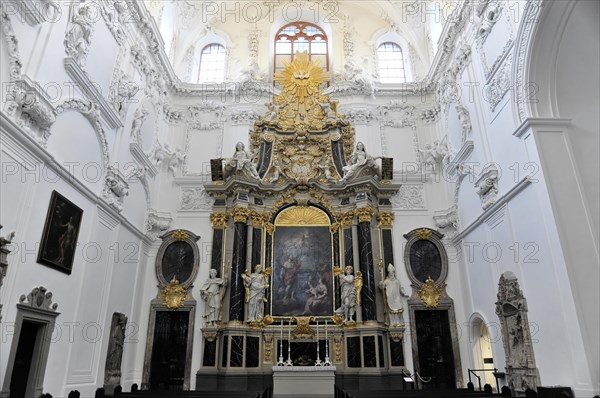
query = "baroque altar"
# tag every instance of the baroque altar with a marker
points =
(302, 238)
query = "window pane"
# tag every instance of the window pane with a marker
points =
(283, 47)
(391, 63)
(318, 47)
(300, 45)
(212, 64)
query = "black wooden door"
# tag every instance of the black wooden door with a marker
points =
(167, 371)
(23, 358)
(434, 343)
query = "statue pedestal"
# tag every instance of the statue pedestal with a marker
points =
(303, 381)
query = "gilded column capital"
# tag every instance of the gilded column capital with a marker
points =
(219, 220)
(258, 218)
(240, 214)
(364, 214)
(386, 219)
(270, 228)
(345, 219)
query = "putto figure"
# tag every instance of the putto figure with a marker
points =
(361, 162)
(256, 284)
(241, 163)
(212, 293)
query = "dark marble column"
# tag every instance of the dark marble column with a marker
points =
(369, 307)
(237, 292)
(386, 220)
(219, 223)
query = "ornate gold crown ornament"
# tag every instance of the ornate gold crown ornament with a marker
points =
(174, 294)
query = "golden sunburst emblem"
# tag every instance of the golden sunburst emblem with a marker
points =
(302, 77)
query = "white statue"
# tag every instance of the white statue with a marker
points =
(79, 33)
(158, 153)
(439, 152)
(138, 119)
(393, 293)
(241, 163)
(177, 159)
(126, 89)
(256, 283)
(348, 295)
(360, 160)
(212, 293)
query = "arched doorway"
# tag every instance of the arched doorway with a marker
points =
(483, 357)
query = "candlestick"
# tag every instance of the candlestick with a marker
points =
(318, 361)
(289, 359)
(280, 359)
(327, 361)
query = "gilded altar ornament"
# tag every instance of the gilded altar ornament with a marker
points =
(302, 215)
(258, 219)
(240, 214)
(345, 219)
(430, 293)
(270, 228)
(268, 347)
(337, 348)
(337, 319)
(173, 294)
(358, 284)
(209, 336)
(219, 220)
(385, 219)
(180, 234)
(364, 214)
(424, 233)
(333, 228)
(303, 330)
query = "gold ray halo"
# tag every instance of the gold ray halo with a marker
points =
(302, 215)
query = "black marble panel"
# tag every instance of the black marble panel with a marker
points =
(237, 352)
(396, 353)
(306, 349)
(369, 306)
(217, 249)
(220, 202)
(258, 201)
(388, 249)
(369, 358)
(380, 351)
(256, 246)
(353, 352)
(225, 351)
(237, 292)
(210, 353)
(337, 150)
(266, 149)
(336, 263)
(348, 247)
(268, 243)
(252, 353)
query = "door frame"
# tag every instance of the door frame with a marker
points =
(444, 305)
(189, 306)
(46, 320)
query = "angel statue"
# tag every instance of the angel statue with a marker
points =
(361, 161)
(393, 293)
(241, 162)
(350, 292)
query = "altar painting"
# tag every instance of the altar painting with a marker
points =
(302, 271)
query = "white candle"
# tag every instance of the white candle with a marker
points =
(317, 332)
(289, 330)
(325, 330)
(281, 336)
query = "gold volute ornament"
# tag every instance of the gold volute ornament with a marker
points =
(173, 294)
(424, 233)
(240, 214)
(430, 293)
(364, 214)
(219, 220)
(180, 234)
(386, 219)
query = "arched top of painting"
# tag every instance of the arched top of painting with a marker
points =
(302, 215)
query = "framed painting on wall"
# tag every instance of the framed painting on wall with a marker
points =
(59, 239)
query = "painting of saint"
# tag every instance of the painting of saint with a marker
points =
(302, 263)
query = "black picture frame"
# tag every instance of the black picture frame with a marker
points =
(61, 231)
